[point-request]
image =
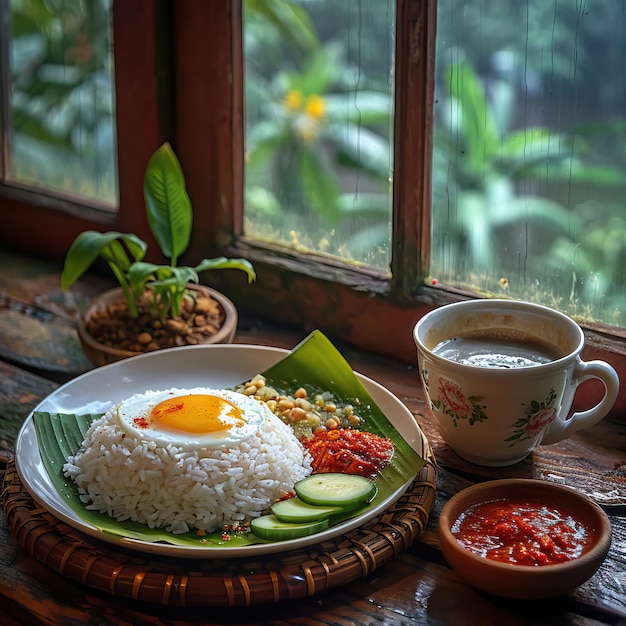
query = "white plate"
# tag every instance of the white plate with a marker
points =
(210, 366)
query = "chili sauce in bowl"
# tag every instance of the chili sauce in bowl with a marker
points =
(523, 538)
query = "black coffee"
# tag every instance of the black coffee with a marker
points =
(501, 349)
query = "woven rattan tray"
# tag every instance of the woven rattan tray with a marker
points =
(216, 582)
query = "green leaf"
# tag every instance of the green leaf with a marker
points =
(25, 123)
(54, 449)
(537, 211)
(176, 276)
(362, 149)
(166, 283)
(319, 185)
(220, 263)
(115, 255)
(169, 288)
(535, 144)
(30, 18)
(292, 21)
(139, 274)
(89, 245)
(477, 124)
(320, 72)
(575, 171)
(168, 206)
(265, 141)
(262, 201)
(314, 363)
(361, 107)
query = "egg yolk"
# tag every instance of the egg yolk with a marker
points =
(201, 413)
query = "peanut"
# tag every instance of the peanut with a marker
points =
(297, 414)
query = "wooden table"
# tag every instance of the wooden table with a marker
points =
(415, 587)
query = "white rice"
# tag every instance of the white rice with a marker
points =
(180, 490)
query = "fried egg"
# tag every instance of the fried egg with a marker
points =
(191, 418)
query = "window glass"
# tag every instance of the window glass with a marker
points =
(528, 159)
(319, 120)
(530, 154)
(59, 122)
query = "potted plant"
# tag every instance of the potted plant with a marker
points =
(155, 306)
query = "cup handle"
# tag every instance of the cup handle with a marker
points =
(562, 428)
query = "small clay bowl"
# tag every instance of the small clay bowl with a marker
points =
(101, 354)
(512, 580)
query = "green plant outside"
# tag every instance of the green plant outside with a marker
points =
(62, 105)
(510, 214)
(528, 210)
(311, 132)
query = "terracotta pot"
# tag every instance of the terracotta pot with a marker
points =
(101, 354)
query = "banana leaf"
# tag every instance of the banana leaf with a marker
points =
(314, 364)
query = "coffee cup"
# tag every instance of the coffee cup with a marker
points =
(500, 377)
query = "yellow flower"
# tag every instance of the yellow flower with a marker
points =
(307, 113)
(293, 100)
(315, 107)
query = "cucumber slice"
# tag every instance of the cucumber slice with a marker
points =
(334, 489)
(270, 527)
(296, 511)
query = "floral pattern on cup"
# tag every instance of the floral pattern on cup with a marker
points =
(453, 402)
(537, 416)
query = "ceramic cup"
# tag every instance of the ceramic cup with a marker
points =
(493, 413)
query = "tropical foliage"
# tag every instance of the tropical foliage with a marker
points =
(528, 182)
(62, 107)
(311, 132)
(529, 150)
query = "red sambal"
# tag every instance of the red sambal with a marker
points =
(522, 532)
(348, 451)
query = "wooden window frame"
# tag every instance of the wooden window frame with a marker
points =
(144, 104)
(179, 78)
(292, 288)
